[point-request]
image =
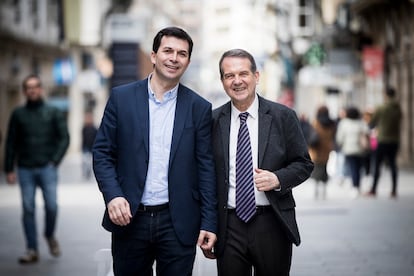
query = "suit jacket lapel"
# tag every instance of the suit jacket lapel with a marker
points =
(265, 120)
(224, 123)
(143, 111)
(181, 111)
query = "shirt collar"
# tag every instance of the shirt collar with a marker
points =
(168, 96)
(253, 109)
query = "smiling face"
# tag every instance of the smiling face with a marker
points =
(171, 60)
(239, 81)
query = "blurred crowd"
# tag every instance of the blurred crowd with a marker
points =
(354, 145)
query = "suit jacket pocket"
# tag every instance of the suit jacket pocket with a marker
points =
(286, 202)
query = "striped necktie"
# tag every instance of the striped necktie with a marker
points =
(245, 202)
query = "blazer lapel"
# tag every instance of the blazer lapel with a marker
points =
(224, 123)
(265, 121)
(143, 111)
(181, 111)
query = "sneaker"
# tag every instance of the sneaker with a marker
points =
(54, 248)
(31, 256)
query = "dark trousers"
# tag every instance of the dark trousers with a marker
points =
(260, 244)
(389, 152)
(354, 163)
(151, 237)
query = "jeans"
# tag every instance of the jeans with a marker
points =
(150, 237)
(46, 179)
(355, 163)
(86, 164)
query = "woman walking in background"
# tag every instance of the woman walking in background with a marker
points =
(350, 134)
(320, 146)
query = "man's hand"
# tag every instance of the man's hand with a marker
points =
(119, 211)
(206, 241)
(11, 178)
(265, 180)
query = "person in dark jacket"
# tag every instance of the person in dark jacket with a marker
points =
(154, 166)
(37, 140)
(260, 156)
(387, 119)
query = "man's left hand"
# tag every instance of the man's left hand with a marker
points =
(206, 241)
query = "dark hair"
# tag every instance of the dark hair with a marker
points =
(322, 111)
(175, 32)
(322, 115)
(390, 92)
(238, 53)
(353, 113)
(31, 76)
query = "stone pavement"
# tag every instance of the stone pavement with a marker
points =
(340, 235)
(362, 236)
(79, 231)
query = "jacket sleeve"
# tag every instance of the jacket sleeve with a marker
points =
(207, 184)
(298, 164)
(104, 152)
(62, 137)
(10, 150)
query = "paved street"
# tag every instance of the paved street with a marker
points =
(340, 235)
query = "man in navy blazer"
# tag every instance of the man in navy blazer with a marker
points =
(154, 166)
(280, 162)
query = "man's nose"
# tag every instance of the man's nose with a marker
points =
(174, 56)
(237, 79)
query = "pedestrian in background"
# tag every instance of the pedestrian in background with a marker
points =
(369, 154)
(37, 139)
(306, 127)
(319, 152)
(154, 166)
(349, 134)
(260, 156)
(387, 120)
(341, 169)
(89, 131)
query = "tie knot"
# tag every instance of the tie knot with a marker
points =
(243, 117)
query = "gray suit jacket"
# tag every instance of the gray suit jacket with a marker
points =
(282, 149)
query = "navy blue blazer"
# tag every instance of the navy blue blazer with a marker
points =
(121, 155)
(281, 148)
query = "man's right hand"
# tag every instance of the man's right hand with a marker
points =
(119, 211)
(11, 178)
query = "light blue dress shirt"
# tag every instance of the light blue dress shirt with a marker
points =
(161, 116)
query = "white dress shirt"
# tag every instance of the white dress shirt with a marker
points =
(253, 125)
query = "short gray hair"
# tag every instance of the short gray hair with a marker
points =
(241, 54)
